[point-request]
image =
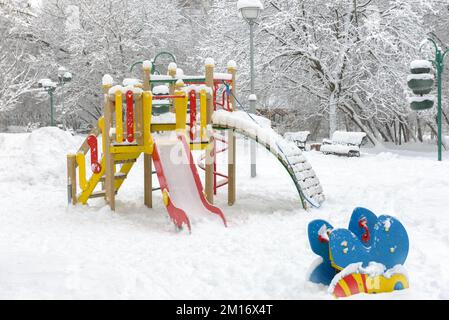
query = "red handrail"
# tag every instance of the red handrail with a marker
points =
(95, 166)
(129, 116)
(192, 97)
(155, 97)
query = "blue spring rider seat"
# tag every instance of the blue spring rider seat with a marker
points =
(346, 254)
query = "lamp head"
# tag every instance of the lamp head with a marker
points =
(250, 9)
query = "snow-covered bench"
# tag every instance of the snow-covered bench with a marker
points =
(299, 138)
(344, 143)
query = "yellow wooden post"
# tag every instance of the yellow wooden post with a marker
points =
(81, 162)
(203, 114)
(232, 69)
(109, 157)
(209, 179)
(180, 108)
(138, 123)
(118, 117)
(71, 178)
(172, 72)
(105, 88)
(147, 161)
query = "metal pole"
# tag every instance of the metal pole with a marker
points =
(439, 62)
(62, 95)
(52, 120)
(252, 102)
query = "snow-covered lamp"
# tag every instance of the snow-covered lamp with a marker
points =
(250, 9)
(64, 75)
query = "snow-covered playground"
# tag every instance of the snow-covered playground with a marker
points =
(51, 250)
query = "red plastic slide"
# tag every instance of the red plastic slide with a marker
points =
(180, 182)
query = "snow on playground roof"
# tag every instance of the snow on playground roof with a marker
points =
(131, 82)
(249, 3)
(114, 89)
(160, 77)
(420, 64)
(197, 89)
(222, 76)
(161, 89)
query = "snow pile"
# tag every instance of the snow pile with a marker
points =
(39, 157)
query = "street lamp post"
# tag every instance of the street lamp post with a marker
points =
(438, 62)
(50, 86)
(63, 76)
(250, 11)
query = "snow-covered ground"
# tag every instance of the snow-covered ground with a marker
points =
(50, 250)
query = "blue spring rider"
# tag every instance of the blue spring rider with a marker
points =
(369, 239)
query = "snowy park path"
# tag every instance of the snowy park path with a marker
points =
(48, 250)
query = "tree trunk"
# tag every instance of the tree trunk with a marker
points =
(358, 122)
(418, 124)
(388, 129)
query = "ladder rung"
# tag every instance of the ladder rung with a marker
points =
(125, 161)
(99, 194)
(125, 144)
(117, 176)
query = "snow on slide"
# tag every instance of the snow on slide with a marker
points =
(287, 152)
(177, 174)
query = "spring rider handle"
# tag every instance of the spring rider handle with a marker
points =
(362, 224)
